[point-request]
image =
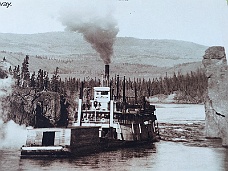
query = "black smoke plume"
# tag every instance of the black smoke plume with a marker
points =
(99, 29)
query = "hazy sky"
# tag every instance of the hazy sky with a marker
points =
(200, 21)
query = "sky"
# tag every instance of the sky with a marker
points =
(200, 21)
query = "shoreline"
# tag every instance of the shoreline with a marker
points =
(190, 134)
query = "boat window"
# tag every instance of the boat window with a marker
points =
(104, 93)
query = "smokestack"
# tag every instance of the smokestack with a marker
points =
(118, 89)
(107, 75)
(81, 90)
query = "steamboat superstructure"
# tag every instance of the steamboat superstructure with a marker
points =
(104, 122)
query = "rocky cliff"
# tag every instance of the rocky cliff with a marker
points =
(216, 103)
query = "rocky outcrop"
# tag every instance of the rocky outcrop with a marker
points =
(21, 104)
(216, 101)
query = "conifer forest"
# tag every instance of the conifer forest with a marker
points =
(29, 88)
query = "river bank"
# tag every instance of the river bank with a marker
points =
(177, 97)
(192, 134)
(184, 123)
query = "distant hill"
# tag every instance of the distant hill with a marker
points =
(75, 57)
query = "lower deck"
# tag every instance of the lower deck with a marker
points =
(83, 139)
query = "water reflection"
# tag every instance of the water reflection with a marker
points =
(225, 159)
(160, 157)
(109, 160)
(180, 157)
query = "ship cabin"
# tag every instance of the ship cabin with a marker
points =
(101, 99)
(104, 112)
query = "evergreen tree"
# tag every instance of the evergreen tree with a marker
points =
(25, 75)
(46, 81)
(55, 81)
(32, 80)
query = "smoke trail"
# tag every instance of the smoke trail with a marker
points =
(96, 24)
(11, 134)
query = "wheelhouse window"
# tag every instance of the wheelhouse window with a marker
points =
(104, 93)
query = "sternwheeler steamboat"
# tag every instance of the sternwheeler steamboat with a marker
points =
(104, 122)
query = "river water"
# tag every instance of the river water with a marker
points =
(177, 151)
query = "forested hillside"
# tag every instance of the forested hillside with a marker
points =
(75, 57)
(54, 66)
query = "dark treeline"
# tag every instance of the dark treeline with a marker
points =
(33, 88)
(189, 87)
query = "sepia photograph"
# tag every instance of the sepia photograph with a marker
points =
(114, 85)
